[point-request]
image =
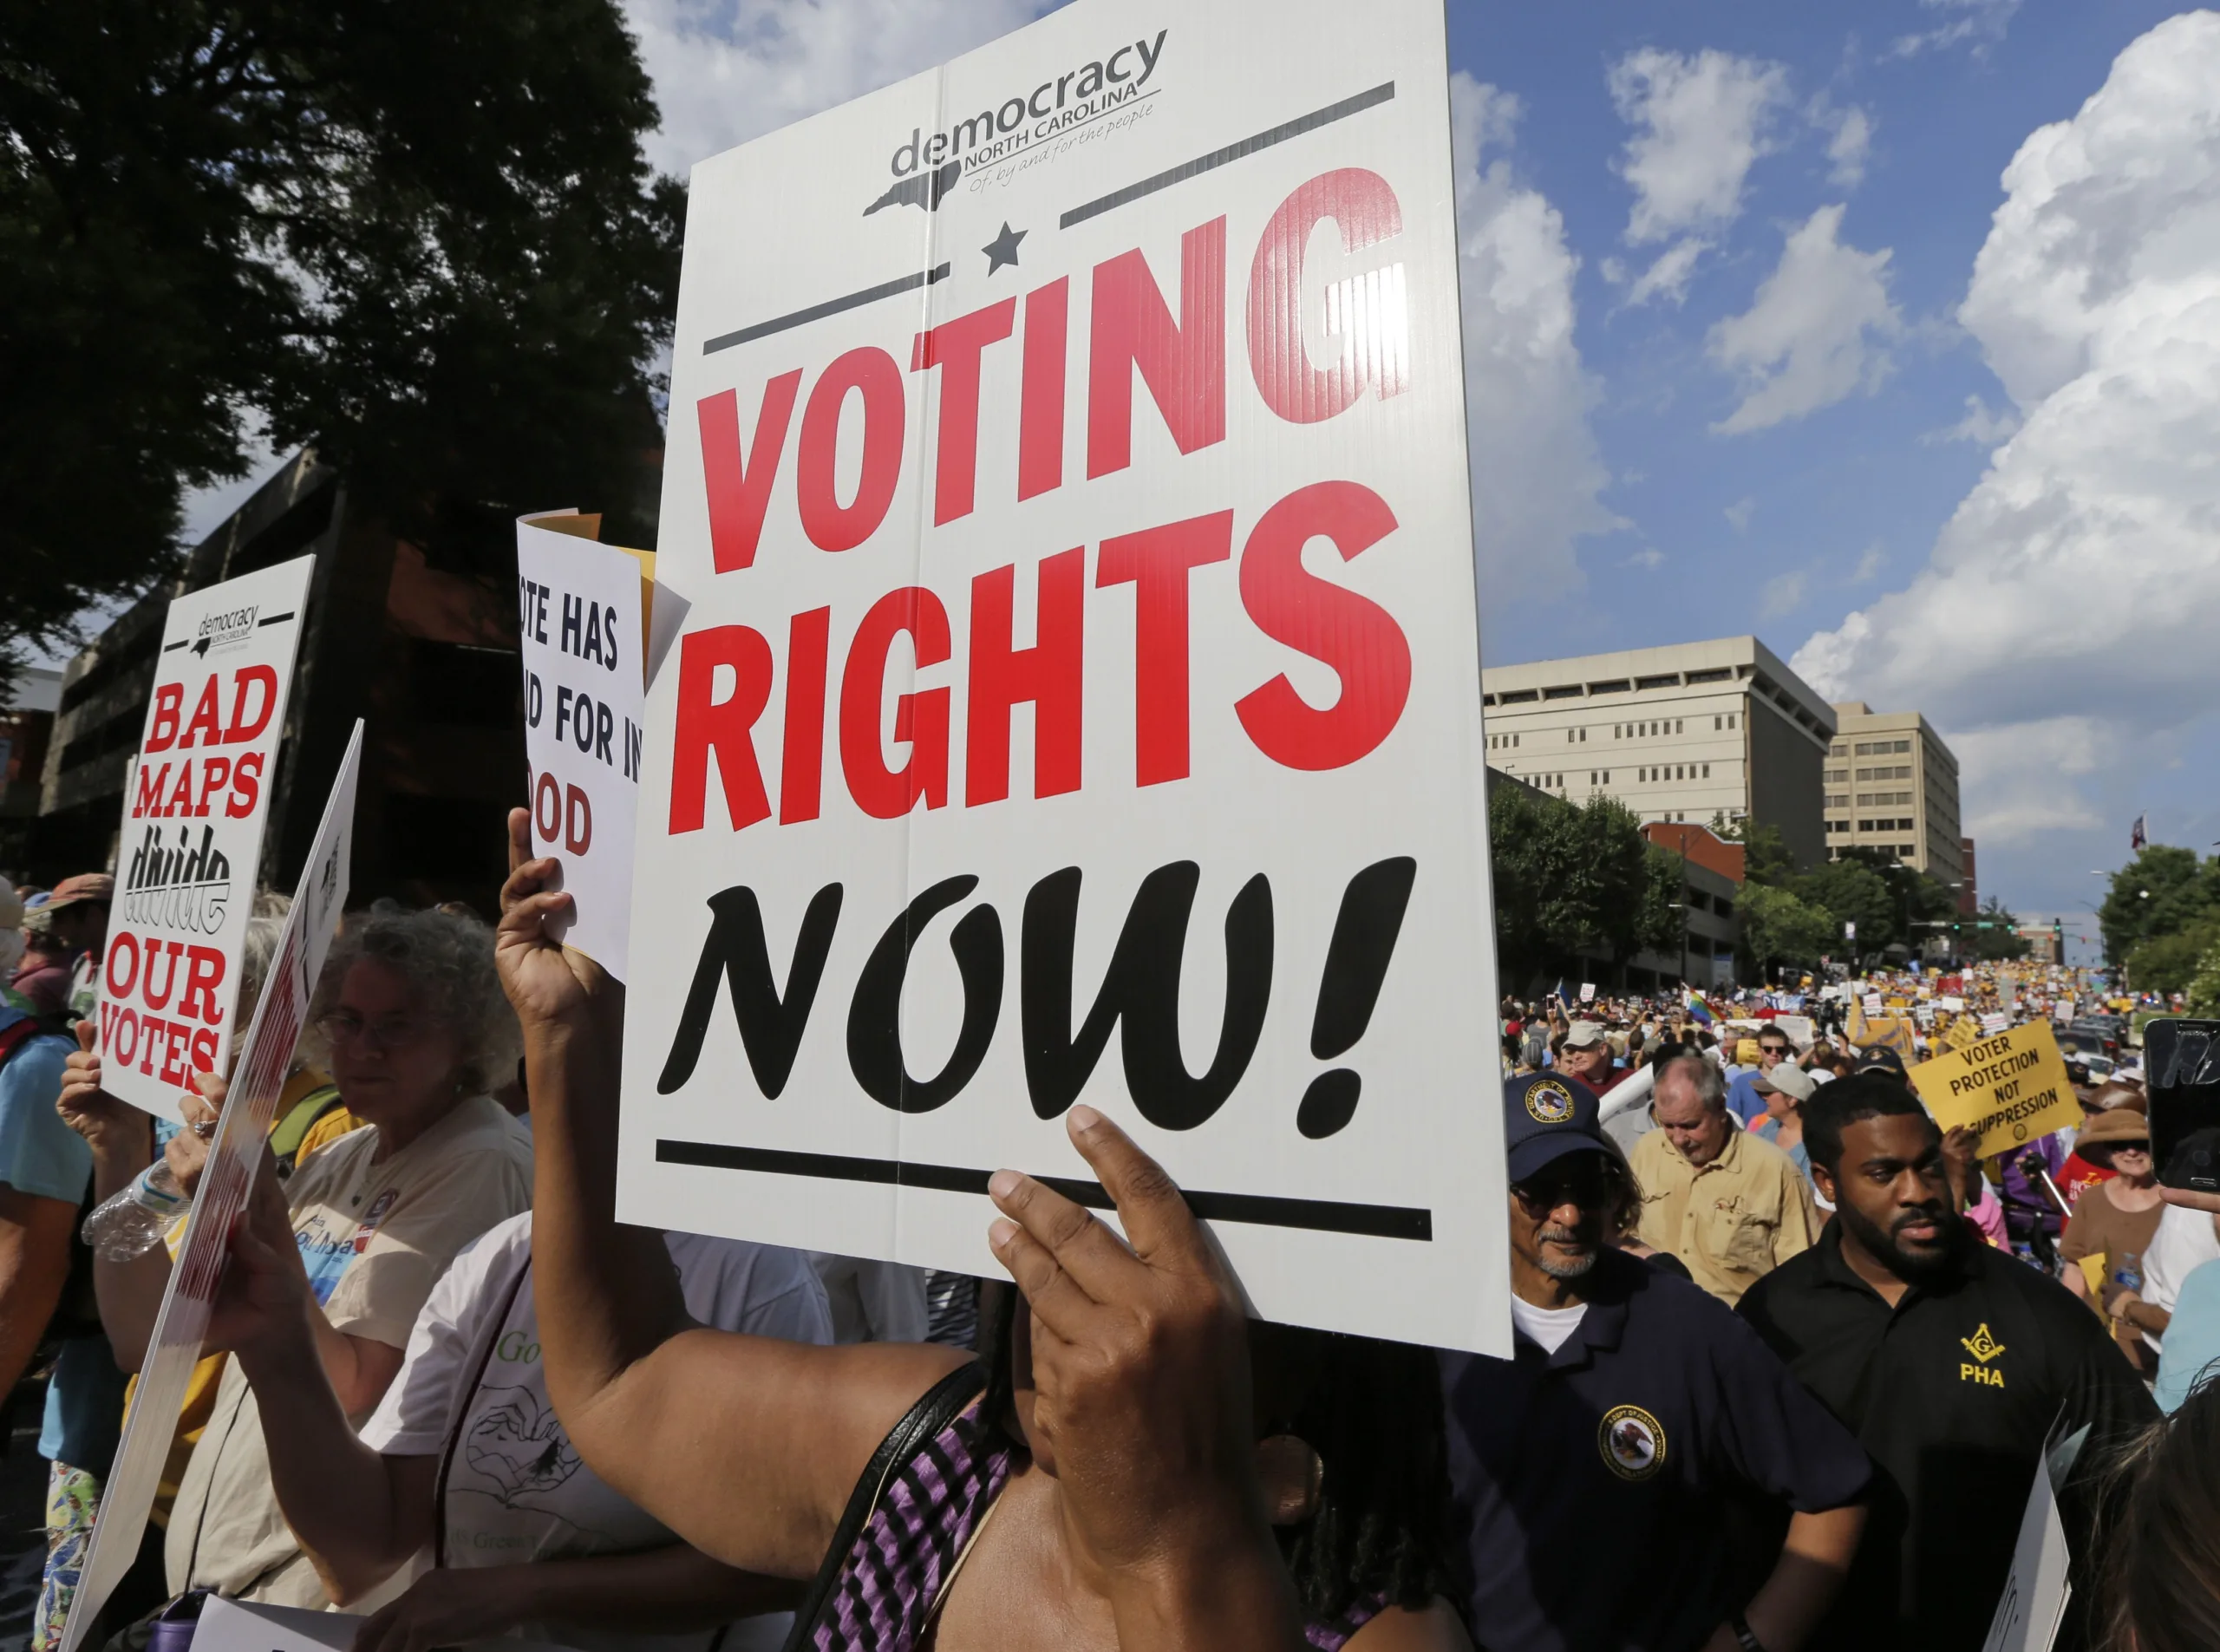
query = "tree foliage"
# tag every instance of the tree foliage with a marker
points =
(1572, 878)
(2164, 891)
(419, 234)
(1993, 936)
(2169, 963)
(1780, 928)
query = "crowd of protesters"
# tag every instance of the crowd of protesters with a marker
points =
(1787, 1357)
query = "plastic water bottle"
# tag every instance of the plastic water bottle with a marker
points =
(132, 1222)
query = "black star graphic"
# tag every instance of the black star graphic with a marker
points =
(1003, 248)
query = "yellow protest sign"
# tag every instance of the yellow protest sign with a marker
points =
(1880, 1032)
(1964, 1033)
(2009, 1088)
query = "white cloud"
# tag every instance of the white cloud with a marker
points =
(2064, 618)
(1668, 275)
(1649, 557)
(1537, 479)
(1809, 338)
(729, 70)
(1982, 22)
(1870, 563)
(1783, 593)
(1700, 122)
(1739, 513)
(1850, 139)
(1980, 425)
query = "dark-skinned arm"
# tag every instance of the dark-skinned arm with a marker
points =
(746, 1446)
(670, 1591)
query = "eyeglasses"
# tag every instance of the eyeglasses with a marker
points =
(1583, 1188)
(385, 1032)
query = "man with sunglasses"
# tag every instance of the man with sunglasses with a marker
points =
(1635, 1410)
(1743, 1099)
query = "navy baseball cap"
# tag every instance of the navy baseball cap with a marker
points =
(1545, 1116)
(1882, 1058)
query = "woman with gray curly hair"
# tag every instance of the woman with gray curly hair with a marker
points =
(410, 1020)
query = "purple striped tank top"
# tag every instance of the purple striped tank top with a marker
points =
(893, 1575)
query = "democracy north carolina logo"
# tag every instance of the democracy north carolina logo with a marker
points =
(927, 168)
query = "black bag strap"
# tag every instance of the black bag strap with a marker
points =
(942, 1404)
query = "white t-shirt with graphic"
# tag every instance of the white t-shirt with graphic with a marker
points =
(516, 1489)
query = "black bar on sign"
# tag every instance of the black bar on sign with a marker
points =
(171, 647)
(1318, 1215)
(1180, 174)
(274, 619)
(830, 307)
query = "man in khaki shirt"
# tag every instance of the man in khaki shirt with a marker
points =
(1731, 1207)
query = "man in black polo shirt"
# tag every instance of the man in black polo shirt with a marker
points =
(1611, 1480)
(1949, 1359)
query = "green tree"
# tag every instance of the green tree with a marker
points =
(2204, 989)
(1766, 856)
(1993, 936)
(2169, 963)
(1854, 893)
(1777, 928)
(1572, 878)
(2164, 891)
(418, 234)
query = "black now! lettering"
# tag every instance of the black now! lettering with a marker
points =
(1139, 996)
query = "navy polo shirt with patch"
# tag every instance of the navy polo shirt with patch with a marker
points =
(1953, 1392)
(1629, 1491)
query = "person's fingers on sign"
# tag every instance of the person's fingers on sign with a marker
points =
(264, 1288)
(187, 1151)
(1139, 1356)
(543, 978)
(104, 1121)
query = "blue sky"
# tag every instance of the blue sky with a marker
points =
(1890, 333)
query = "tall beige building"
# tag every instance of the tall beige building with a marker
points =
(1892, 784)
(1685, 732)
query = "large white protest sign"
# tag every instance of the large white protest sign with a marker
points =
(234, 1154)
(193, 814)
(1069, 490)
(584, 643)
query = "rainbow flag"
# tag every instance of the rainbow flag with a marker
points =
(1698, 1010)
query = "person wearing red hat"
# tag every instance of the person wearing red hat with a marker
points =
(57, 977)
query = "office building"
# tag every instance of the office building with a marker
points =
(1690, 733)
(422, 649)
(1892, 784)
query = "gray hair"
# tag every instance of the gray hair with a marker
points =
(1709, 1081)
(266, 923)
(446, 958)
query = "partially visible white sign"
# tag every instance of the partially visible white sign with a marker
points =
(2036, 1593)
(235, 1626)
(1956, 1006)
(578, 611)
(1587, 992)
(1872, 1004)
(193, 814)
(1995, 1022)
(234, 1155)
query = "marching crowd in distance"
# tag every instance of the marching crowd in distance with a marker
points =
(1788, 1358)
